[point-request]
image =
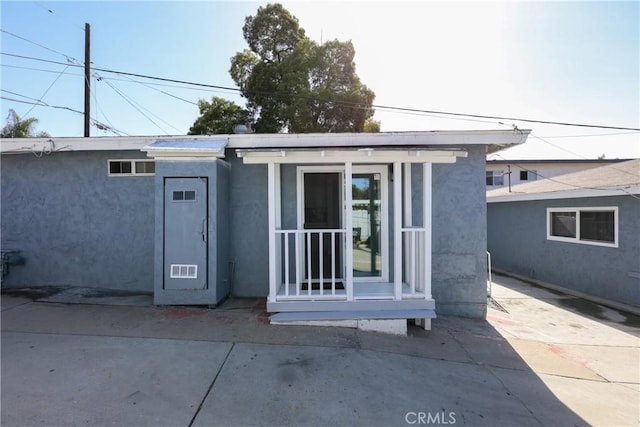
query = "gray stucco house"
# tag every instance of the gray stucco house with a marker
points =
(578, 232)
(325, 226)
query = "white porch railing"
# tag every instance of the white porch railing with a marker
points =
(312, 265)
(414, 259)
(296, 276)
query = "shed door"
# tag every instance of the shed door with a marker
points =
(185, 233)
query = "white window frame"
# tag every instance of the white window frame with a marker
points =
(577, 239)
(494, 175)
(133, 167)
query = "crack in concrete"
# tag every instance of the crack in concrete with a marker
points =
(204, 398)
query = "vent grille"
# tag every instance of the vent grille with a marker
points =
(184, 271)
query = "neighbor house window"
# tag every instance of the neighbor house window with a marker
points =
(528, 175)
(131, 167)
(495, 178)
(593, 226)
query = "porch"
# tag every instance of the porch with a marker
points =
(323, 268)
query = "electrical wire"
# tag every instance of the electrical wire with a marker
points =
(151, 87)
(44, 104)
(576, 154)
(69, 58)
(353, 105)
(111, 128)
(133, 104)
(46, 91)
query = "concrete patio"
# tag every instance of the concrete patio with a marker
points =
(75, 356)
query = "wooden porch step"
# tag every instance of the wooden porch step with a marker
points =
(291, 316)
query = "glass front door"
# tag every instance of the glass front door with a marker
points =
(367, 225)
(322, 207)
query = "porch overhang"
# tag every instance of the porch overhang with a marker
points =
(348, 155)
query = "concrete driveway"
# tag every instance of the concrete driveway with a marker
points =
(80, 357)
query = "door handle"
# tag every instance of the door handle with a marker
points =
(204, 229)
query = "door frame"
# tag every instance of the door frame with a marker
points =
(384, 209)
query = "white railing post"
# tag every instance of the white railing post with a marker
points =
(397, 230)
(271, 207)
(348, 224)
(426, 224)
(409, 254)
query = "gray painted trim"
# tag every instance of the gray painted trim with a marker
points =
(353, 315)
(280, 306)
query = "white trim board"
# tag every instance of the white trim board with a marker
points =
(362, 155)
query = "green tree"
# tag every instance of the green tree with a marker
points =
(371, 126)
(218, 117)
(20, 128)
(293, 83)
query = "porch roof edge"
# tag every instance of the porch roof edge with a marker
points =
(351, 154)
(498, 139)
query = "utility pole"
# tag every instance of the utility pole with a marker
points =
(87, 79)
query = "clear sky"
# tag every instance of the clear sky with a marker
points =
(555, 61)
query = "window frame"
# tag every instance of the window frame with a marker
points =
(529, 175)
(133, 167)
(578, 239)
(495, 174)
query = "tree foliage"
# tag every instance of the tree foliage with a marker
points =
(371, 126)
(218, 117)
(17, 127)
(293, 83)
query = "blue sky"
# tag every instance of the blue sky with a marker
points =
(568, 62)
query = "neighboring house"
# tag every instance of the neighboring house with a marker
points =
(501, 173)
(579, 231)
(326, 226)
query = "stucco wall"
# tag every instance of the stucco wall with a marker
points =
(78, 226)
(74, 224)
(517, 240)
(459, 241)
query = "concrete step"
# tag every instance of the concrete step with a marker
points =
(353, 315)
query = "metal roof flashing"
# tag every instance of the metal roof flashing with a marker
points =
(187, 148)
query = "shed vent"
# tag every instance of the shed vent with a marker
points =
(182, 271)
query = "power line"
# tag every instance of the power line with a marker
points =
(354, 105)
(131, 102)
(69, 58)
(591, 135)
(60, 107)
(46, 91)
(150, 87)
(579, 155)
(111, 128)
